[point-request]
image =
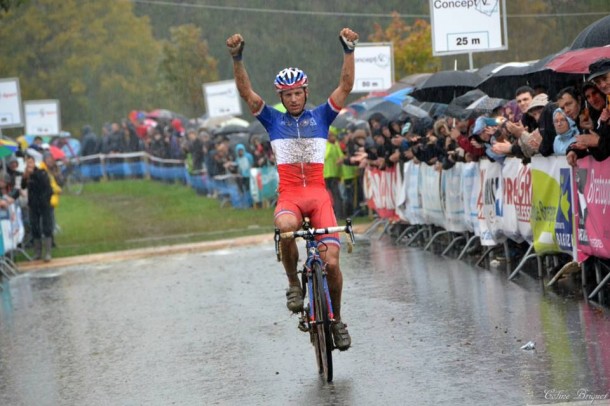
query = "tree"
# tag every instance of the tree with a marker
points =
(412, 45)
(185, 66)
(97, 58)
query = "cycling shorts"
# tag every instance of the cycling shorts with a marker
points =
(313, 202)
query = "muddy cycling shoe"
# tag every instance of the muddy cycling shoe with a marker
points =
(294, 299)
(341, 336)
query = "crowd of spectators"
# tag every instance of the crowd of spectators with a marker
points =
(575, 122)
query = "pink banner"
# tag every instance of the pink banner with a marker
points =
(591, 208)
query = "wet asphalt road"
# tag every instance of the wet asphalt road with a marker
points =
(212, 328)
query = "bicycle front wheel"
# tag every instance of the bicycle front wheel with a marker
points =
(75, 183)
(323, 342)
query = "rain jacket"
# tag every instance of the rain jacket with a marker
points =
(244, 162)
(54, 185)
(563, 140)
(333, 153)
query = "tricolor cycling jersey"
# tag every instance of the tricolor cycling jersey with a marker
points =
(299, 143)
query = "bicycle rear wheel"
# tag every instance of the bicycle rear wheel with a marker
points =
(322, 342)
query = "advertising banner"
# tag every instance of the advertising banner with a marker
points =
(222, 98)
(462, 26)
(552, 214)
(378, 190)
(42, 117)
(374, 67)
(11, 114)
(592, 207)
(517, 200)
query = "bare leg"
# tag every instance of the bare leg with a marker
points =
(334, 278)
(290, 251)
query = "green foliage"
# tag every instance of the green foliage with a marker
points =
(185, 65)
(97, 58)
(412, 46)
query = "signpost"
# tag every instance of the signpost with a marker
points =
(222, 98)
(11, 114)
(42, 117)
(374, 67)
(467, 26)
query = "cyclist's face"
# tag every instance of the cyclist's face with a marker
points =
(294, 100)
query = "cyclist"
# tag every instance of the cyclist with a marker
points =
(298, 138)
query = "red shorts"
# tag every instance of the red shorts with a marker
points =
(312, 202)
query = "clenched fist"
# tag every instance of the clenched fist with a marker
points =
(236, 44)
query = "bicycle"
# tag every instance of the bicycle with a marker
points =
(73, 178)
(317, 316)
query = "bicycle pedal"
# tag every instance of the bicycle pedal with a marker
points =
(303, 326)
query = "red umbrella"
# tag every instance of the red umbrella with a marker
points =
(56, 152)
(577, 61)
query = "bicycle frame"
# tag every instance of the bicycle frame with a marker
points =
(313, 256)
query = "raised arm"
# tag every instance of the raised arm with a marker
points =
(348, 39)
(236, 44)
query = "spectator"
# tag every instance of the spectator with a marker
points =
(38, 185)
(244, 162)
(566, 132)
(158, 145)
(523, 96)
(115, 140)
(195, 150)
(90, 142)
(597, 143)
(484, 133)
(596, 101)
(570, 101)
(333, 159)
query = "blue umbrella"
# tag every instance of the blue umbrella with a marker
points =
(399, 96)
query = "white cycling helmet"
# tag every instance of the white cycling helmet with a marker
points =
(290, 78)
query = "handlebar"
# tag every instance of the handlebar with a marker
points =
(309, 233)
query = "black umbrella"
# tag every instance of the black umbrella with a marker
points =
(457, 107)
(595, 35)
(388, 109)
(505, 79)
(444, 86)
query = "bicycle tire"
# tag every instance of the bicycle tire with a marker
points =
(323, 342)
(75, 183)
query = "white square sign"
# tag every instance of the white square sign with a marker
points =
(11, 114)
(42, 117)
(374, 67)
(463, 26)
(222, 98)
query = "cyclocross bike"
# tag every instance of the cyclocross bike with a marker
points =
(317, 315)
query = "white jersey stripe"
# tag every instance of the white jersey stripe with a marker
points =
(299, 150)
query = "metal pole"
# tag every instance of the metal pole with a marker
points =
(470, 61)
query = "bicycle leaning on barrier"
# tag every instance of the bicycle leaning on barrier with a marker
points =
(73, 180)
(317, 316)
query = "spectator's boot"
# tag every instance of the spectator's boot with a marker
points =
(37, 244)
(48, 246)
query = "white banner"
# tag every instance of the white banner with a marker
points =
(431, 195)
(42, 117)
(11, 114)
(470, 194)
(451, 189)
(222, 98)
(490, 214)
(413, 205)
(374, 67)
